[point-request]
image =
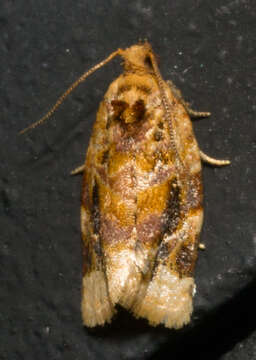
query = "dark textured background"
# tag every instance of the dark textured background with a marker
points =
(208, 49)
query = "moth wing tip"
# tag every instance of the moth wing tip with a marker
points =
(168, 301)
(96, 307)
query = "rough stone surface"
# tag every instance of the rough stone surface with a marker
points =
(208, 49)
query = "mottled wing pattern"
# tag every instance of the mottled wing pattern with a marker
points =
(96, 305)
(141, 211)
(166, 296)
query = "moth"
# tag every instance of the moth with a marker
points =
(141, 211)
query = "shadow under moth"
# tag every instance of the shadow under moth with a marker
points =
(141, 210)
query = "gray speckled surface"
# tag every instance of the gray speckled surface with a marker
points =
(208, 49)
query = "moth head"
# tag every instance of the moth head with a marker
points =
(138, 57)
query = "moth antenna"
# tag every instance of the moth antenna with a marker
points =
(69, 90)
(165, 102)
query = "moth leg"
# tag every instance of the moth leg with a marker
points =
(201, 246)
(196, 114)
(192, 113)
(78, 170)
(209, 160)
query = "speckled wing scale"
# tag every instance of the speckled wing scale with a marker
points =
(142, 201)
(141, 210)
